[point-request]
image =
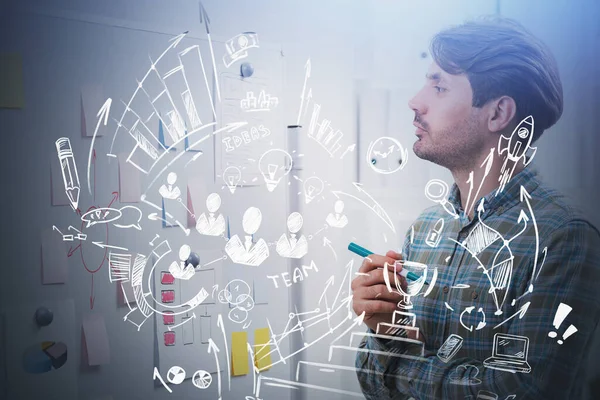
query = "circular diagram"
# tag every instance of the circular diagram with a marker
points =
(386, 155)
(202, 379)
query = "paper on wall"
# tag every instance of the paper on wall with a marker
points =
(130, 189)
(54, 258)
(96, 340)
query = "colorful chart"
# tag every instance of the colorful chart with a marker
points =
(44, 357)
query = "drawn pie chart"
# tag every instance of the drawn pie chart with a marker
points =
(201, 379)
(44, 357)
(176, 375)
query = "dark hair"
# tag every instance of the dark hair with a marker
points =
(501, 58)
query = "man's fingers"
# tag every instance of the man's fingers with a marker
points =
(375, 261)
(393, 254)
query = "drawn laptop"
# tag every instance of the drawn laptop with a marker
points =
(509, 354)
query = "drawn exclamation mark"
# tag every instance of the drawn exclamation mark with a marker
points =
(561, 313)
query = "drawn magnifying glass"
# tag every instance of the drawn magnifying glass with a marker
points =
(437, 190)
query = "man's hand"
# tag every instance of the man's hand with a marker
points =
(370, 293)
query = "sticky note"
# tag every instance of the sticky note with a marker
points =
(262, 356)
(11, 81)
(239, 353)
(168, 318)
(96, 340)
(130, 189)
(54, 258)
(166, 278)
(169, 338)
(260, 290)
(167, 296)
(126, 295)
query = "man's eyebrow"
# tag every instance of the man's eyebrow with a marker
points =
(436, 76)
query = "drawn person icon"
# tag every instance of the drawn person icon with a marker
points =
(248, 253)
(169, 191)
(179, 269)
(292, 247)
(338, 220)
(211, 226)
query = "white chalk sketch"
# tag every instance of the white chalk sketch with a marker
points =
(293, 247)
(211, 225)
(232, 177)
(323, 133)
(386, 155)
(179, 269)
(337, 219)
(237, 47)
(561, 313)
(449, 348)
(169, 191)
(69, 170)
(515, 147)
(466, 375)
(248, 253)
(437, 191)
(264, 102)
(509, 353)
(312, 187)
(274, 164)
(435, 234)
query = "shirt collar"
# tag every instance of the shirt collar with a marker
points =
(511, 194)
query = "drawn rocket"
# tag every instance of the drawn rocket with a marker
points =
(519, 142)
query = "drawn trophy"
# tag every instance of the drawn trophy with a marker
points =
(413, 287)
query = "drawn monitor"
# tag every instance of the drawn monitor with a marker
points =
(509, 354)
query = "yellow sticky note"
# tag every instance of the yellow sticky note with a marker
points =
(262, 350)
(239, 353)
(11, 81)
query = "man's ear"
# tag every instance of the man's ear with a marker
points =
(501, 113)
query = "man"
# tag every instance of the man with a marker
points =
(513, 254)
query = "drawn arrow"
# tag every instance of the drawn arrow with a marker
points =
(212, 348)
(205, 19)
(92, 297)
(525, 196)
(327, 285)
(520, 313)
(350, 148)
(489, 160)
(357, 321)
(115, 197)
(327, 242)
(102, 116)
(467, 310)
(307, 69)
(94, 164)
(214, 288)
(220, 325)
(103, 245)
(174, 42)
(72, 250)
(156, 374)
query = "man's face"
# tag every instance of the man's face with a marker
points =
(452, 134)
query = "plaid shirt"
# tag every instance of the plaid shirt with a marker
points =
(567, 272)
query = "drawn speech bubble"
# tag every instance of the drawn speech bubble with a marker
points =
(132, 215)
(102, 215)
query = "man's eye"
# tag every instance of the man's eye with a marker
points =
(439, 89)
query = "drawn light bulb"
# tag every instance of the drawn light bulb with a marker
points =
(232, 177)
(274, 164)
(313, 187)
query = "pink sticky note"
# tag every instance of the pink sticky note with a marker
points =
(166, 278)
(96, 340)
(168, 318)
(167, 296)
(169, 338)
(54, 258)
(130, 189)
